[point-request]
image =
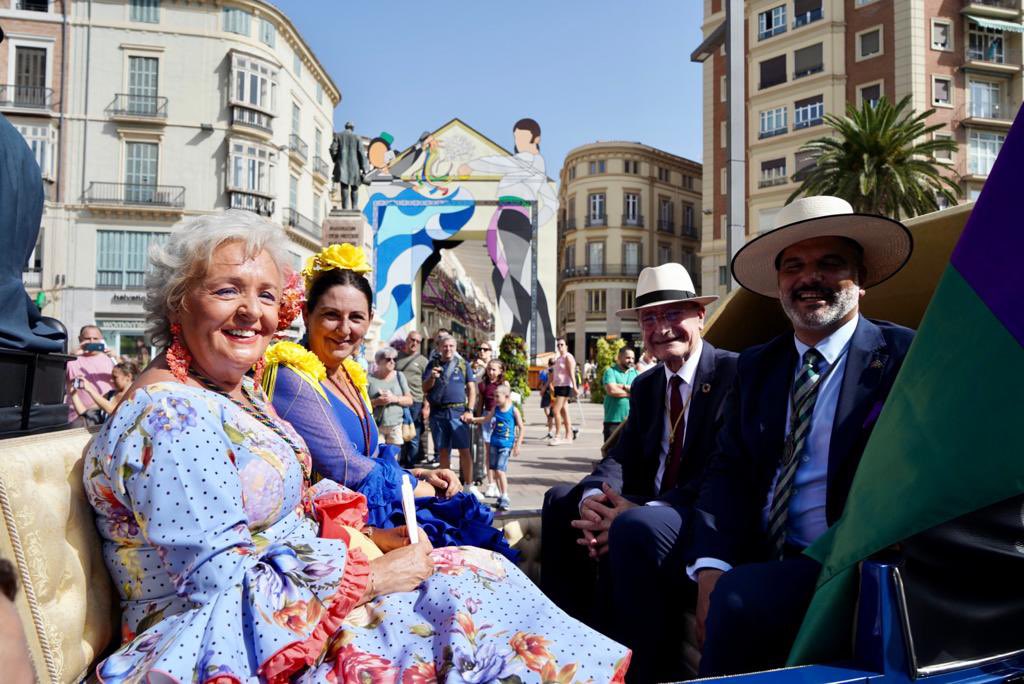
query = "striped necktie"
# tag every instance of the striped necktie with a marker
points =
(805, 392)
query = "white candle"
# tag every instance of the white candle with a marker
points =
(409, 508)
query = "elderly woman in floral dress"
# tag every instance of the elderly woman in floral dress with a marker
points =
(231, 568)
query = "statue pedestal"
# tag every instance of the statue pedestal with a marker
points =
(348, 225)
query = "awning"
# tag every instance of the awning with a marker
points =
(996, 24)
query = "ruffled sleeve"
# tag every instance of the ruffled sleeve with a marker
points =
(270, 599)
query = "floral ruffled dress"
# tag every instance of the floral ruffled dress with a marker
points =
(222, 559)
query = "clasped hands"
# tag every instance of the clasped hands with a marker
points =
(596, 516)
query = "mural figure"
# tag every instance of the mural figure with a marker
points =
(523, 180)
(349, 164)
(385, 167)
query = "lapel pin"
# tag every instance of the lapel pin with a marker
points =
(706, 387)
(877, 363)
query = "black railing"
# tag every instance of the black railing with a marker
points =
(807, 123)
(149, 106)
(637, 220)
(246, 116)
(690, 231)
(251, 201)
(321, 167)
(772, 133)
(817, 68)
(773, 31)
(807, 18)
(33, 5)
(602, 270)
(601, 220)
(135, 194)
(298, 146)
(303, 224)
(772, 182)
(25, 96)
(666, 225)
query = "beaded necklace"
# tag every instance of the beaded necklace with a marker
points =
(356, 403)
(252, 408)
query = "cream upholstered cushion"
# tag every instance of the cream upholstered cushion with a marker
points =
(65, 600)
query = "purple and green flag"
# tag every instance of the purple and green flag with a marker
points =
(950, 440)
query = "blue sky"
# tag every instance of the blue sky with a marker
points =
(585, 70)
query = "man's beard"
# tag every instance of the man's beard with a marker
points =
(838, 303)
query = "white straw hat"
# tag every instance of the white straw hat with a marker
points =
(664, 284)
(886, 243)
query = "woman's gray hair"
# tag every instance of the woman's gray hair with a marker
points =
(180, 262)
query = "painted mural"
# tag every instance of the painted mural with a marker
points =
(430, 194)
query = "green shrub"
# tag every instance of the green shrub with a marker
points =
(513, 355)
(607, 350)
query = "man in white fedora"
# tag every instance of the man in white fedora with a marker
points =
(797, 422)
(624, 521)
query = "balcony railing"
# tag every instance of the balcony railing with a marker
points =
(807, 18)
(33, 5)
(570, 223)
(251, 201)
(690, 231)
(807, 123)
(817, 68)
(298, 147)
(254, 118)
(998, 4)
(602, 270)
(772, 133)
(303, 224)
(666, 225)
(321, 167)
(25, 96)
(146, 106)
(118, 280)
(773, 31)
(637, 220)
(32, 278)
(135, 194)
(601, 220)
(989, 110)
(772, 182)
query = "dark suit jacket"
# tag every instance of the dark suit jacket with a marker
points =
(749, 448)
(632, 463)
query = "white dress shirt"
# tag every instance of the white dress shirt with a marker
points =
(806, 518)
(686, 372)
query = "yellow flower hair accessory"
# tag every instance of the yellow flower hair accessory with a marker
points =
(344, 256)
(358, 376)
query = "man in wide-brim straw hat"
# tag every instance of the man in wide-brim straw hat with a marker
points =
(675, 410)
(797, 422)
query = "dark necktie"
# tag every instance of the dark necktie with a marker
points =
(805, 393)
(677, 423)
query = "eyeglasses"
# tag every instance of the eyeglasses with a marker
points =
(483, 349)
(671, 317)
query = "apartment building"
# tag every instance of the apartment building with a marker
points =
(806, 58)
(170, 110)
(623, 206)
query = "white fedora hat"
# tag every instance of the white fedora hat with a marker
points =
(886, 243)
(663, 284)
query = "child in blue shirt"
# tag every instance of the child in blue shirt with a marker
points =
(506, 438)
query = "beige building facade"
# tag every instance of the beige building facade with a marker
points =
(808, 58)
(167, 110)
(622, 206)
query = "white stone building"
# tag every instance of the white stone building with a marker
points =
(174, 109)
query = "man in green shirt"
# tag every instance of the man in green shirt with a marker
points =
(616, 381)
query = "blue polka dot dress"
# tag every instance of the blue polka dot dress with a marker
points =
(213, 539)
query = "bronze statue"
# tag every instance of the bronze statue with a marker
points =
(349, 164)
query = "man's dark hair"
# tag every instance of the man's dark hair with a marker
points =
(853, 244)
(338, 276)
(8, 579)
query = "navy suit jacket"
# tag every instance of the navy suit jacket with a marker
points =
(749, 448)
(631, 465)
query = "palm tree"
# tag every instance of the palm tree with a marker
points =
(881, 161)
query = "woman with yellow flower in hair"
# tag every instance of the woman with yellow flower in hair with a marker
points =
(321, 391)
